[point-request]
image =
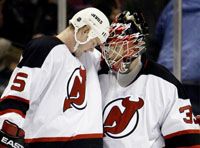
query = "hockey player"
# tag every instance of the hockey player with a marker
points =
(144, 105)
(50, 97)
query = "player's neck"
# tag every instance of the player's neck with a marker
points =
(67, 37)
(126, 78)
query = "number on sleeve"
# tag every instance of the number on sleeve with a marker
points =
(188, 115)
(188, 111)
(18, 82)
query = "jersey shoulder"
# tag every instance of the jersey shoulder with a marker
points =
(160, 71)
(36, 51)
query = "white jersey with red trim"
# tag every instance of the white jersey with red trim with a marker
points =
(54, 96)
(152, 112)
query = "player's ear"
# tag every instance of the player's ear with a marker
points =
(85, 29)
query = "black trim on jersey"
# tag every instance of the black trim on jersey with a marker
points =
(104, 67)
(183, 141)
(81, 143)
(10, 103)
(36, 51)
(150, 67)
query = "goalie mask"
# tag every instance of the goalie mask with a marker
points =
(125, 42)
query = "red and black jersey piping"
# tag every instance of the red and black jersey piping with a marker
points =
(36, 51)
(186, 138)
(79, 141)
(14, 104)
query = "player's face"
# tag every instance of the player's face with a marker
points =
(89, 46)
(115, 51)
(83, 36)
(118, 52)
(121, 49)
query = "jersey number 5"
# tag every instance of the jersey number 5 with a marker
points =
(18, 82)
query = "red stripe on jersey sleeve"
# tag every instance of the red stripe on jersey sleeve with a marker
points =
(15, 98)
(14, 104)
(12, 110)
(193, 131)
(195, 146)
(64, 139)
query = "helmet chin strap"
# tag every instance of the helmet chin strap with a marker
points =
(125, 79)
(77, 41)
(76, 47)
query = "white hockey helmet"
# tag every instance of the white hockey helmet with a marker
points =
(93, 17)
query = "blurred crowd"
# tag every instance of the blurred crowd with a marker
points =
(21, 20)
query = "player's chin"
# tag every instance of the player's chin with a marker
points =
(89, 49)
(78, 53)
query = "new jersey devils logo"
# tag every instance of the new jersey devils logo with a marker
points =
(121, 117)
(76, 90)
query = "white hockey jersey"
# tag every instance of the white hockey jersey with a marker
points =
(54, 97)
(152, 112)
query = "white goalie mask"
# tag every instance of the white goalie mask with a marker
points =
(96, 20)
(125, 42)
